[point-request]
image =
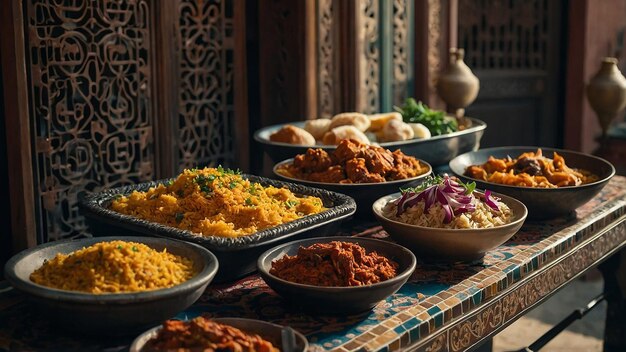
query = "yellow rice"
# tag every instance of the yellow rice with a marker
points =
(217, 202)
(114, 267)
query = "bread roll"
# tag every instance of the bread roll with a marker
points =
(396, 130)
(358, 120)
(334, 136)
(420, 131)
(378, 121)
(317, 128)
(293, 135)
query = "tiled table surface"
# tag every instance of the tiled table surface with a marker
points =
(442, 308)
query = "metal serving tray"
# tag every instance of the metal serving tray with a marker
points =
(436, 151)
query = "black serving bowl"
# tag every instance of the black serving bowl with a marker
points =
(338, 300)
(542, 203)
(268, 331)
(364, 194)
(111, 313)
(437, 150)
(237, 256)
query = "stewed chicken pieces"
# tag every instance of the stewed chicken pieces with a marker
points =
(353, 162)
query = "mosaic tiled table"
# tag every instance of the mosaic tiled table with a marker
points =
(442, 308)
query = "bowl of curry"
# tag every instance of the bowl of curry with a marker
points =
(361, 171)
(336, 275)
(220, 334)
(112, 285)
(550, 182)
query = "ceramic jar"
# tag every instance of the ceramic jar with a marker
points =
(606, 92)
(457, 85)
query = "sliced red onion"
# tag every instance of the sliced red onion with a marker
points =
(490, 201)
(449, 194)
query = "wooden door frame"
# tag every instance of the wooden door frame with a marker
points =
(18, 134)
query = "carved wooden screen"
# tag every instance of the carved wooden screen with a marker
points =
(500, 34)
(376, 57)
(97, 71)
(91, 72)
(514, 47)
(206, 44)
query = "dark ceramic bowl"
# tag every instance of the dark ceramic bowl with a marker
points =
(437, 151)
(237, 256)
(338, 300)
(450, 245)
(364, 194)
(542, 203)
(115, 313)
(268, 331)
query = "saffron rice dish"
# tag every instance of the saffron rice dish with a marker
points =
(217, 202)
(114, 267)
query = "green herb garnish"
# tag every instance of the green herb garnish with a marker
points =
(435, 120)
(135, 249)
(249, 201)
(204, 182)
(435, 180)
(119, 247)
(179, 217)
(291, 203)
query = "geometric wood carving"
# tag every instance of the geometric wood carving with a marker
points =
(206, 119)
(90, 74)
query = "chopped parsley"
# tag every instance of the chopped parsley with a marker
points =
(135, 249)
(119, 247)
(249, 201)
(291, 203)
(204, 182)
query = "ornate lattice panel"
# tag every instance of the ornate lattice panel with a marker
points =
(402, 24)
(378, 53)
(206, 99)
(504, 34)
(368, 56)
(327, 28)
(90, 74)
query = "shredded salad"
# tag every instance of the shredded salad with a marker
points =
(442, 201)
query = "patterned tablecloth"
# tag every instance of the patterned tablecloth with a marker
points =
(442, 307)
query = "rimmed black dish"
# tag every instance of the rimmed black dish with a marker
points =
(437, 150)
(338, 300)
(237, 256)
(268, 331)
(542, 203)
(364, 194)
(116, 313)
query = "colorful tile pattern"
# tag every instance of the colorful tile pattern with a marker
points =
(479, 297)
